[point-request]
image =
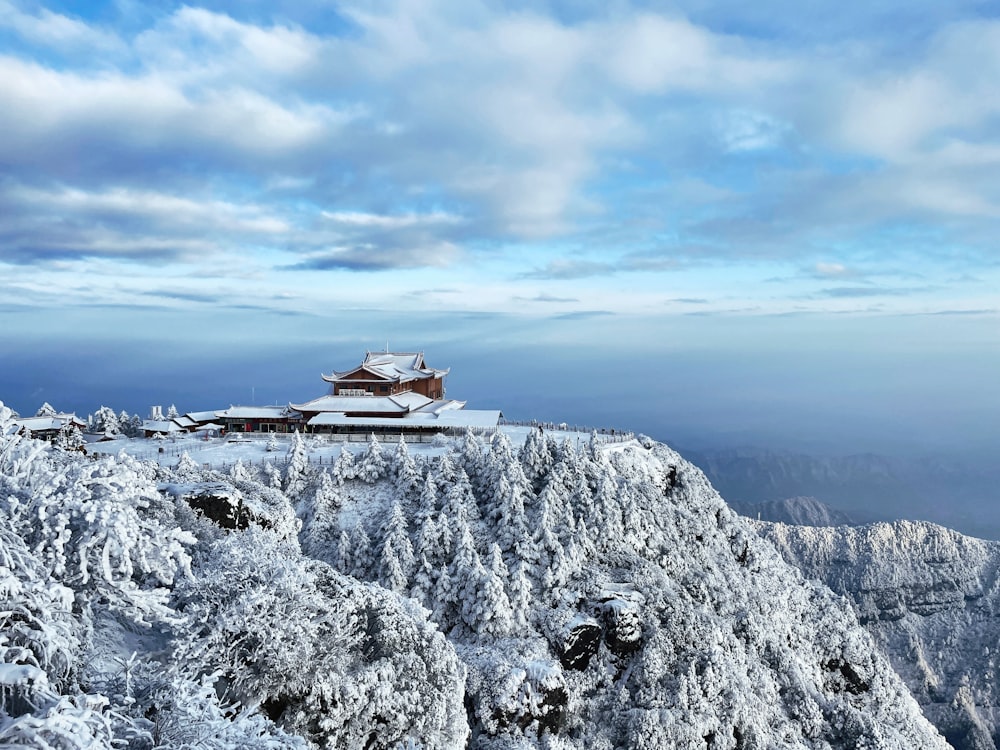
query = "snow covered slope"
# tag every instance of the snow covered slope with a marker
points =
(484, 596)
(802, 511)
(931, 599)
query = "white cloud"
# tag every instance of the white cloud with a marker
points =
(384, 221)
(743, 130)
(56, 30)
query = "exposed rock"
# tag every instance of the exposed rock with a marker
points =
(583, 637)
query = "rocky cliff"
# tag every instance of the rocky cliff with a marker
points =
(930, 598)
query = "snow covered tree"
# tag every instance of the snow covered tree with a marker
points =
(470, 456)
(498, 615)
(510, 521)
(361, 551)
(345, 554)
(239, 472)
(372, 465)
(272, 475)
(272, 443)
(125, 424)
(408, 479)
(46, 410)
(459, 504)
(343, 467)
(106, 421)
(320, 528)
(298, 466)
(397, 551)
(172, 412)
(537, 456)
(187, 467)
(520, 595)
(70, 438)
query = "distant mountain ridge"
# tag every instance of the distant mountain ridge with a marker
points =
(930, 596)
(963, 495)
(801, 511)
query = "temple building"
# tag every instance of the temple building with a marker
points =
(389, 373)
(389, 392)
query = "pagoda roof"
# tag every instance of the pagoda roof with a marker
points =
(399, 367)
(454, 418)
(400, 403)
(256, 412)
(49, 422)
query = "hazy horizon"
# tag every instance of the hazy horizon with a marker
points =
(770, 224)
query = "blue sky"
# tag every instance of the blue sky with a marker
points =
(722, 186)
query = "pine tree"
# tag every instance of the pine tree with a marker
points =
(238, 472)
(70, 438)
(343, 467)
(186, 466)
(471, 456)
(445, 606)
(372, 465)
(361, 550)
(272, 443)
(497, 615)
(125, 424)
(172, 412)
(345, 553)
(520, 594)
(408, 479)
(106, 421)
(424, 581)
(46, 410)
(320, 528)
(459, 503)
(272, 475)
(397, 550)
(298, 466)
(427, 504)
(537, 456)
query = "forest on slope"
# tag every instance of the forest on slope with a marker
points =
(485, 596)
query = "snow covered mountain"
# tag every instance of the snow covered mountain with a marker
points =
(959, 494)
(802, 511)
(480, 595)
(931, 598)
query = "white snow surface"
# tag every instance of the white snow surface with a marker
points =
(930, 598)
(416, 596)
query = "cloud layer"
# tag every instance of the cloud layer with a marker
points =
(678, 155)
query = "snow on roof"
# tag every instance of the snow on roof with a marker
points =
(397, 404)
(48, 422)
(399, 367)
(161, 425)
(201, 416)
(255, 412)
(457, 418)
(185, 421)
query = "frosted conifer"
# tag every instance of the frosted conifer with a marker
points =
(496, 614)
(372, 465)
(343, 467)
(186, 466)
(46, 410)
(405, 470)
(298, 466)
